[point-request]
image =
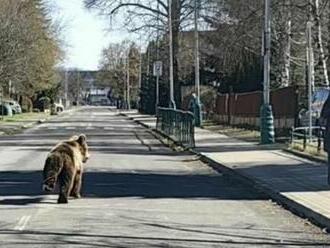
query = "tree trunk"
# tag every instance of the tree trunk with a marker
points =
(310, 58)
(285, 77)
(321, 59)
(328, 43)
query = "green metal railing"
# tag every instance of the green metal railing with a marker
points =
(300, 135)
(178, 125)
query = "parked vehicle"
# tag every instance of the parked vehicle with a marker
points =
(59, 107)
(6, 110)
(318, 99)
(104, 102)
(56, 108)
(16, 108)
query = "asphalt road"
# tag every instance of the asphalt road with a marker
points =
(136, 193)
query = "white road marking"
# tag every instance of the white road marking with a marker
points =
(70, 128)
(22, 223)
(52, 128)
(89, 126)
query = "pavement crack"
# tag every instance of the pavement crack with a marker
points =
(142, 141)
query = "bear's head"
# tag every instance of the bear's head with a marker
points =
(83, 147)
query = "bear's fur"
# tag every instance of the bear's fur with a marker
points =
(64, 164)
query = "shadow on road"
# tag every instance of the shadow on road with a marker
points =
(101, 240)
(108, 185)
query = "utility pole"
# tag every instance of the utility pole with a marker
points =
(157, 94)
(198, 107)
(197, 64)
(140, 77)
(79, 89)
(157, 59)
(172, 102)
(140, 69)
(266, 115)
(9, 88)
(310, 78)
(2, 107)
(66, 88)
(128, 83)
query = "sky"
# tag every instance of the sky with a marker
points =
(85, 34)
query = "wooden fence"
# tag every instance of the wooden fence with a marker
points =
(244, 109)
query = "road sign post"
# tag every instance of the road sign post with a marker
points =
(158, 72)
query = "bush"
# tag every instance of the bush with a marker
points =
(26, 104)
(208, 99)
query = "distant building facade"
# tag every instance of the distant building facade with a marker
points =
(83, 87)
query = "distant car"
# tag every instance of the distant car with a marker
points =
(104, 102)
(16, 108)
(318, 100)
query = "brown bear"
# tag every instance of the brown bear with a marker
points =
(64, 164)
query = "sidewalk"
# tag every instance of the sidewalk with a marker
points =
(13, 126)
(297, 183)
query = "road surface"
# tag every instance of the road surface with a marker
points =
(136, 193)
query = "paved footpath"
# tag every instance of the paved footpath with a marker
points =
(297, 183)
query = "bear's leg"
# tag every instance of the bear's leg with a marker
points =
(66, 182)
(75, 192)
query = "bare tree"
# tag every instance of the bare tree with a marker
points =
(114, 68)
(316, 12)
(29, 49)
(151, 16)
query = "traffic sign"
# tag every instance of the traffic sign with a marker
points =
(158, 68)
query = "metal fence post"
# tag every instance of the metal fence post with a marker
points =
(305, 140)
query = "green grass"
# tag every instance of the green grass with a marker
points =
(311, 149)
(25, 117)
(235, 132)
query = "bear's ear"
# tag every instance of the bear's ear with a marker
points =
(81, 139)
(74, 138)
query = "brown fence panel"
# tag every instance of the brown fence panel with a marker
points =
(221, 105)
(247, 105)
(284, 102)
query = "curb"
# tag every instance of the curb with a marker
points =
(29, 125)
(305, 156)
(287, 203)
(35, 123)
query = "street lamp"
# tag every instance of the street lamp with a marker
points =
(266, 116)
